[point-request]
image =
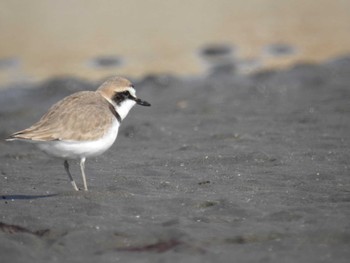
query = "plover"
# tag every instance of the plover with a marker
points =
(83, 124)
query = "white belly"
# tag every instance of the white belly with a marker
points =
(80, 149)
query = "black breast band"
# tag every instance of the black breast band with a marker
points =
(115, 113)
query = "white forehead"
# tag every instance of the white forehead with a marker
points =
(132, 91)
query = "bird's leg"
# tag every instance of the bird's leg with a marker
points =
(82, 168)
(66, 167)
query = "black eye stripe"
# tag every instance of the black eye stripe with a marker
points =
(119, 97)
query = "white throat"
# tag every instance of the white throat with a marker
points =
(124, 108)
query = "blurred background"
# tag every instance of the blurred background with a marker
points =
(91, 39)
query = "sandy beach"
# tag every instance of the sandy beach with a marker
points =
(93, 39)
(244, 155)
(222, 168)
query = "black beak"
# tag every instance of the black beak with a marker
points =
(142, 102)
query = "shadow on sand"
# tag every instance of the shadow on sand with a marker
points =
(25, 197)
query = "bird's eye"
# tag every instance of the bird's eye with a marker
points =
(126, 93)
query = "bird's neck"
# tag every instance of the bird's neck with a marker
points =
(124, 108)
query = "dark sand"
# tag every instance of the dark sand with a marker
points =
(221, 168)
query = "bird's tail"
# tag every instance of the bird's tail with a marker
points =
(14, 137)
(20, 135)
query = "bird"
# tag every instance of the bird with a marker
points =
(83, 124)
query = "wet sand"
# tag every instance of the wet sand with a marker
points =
(223, 167)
